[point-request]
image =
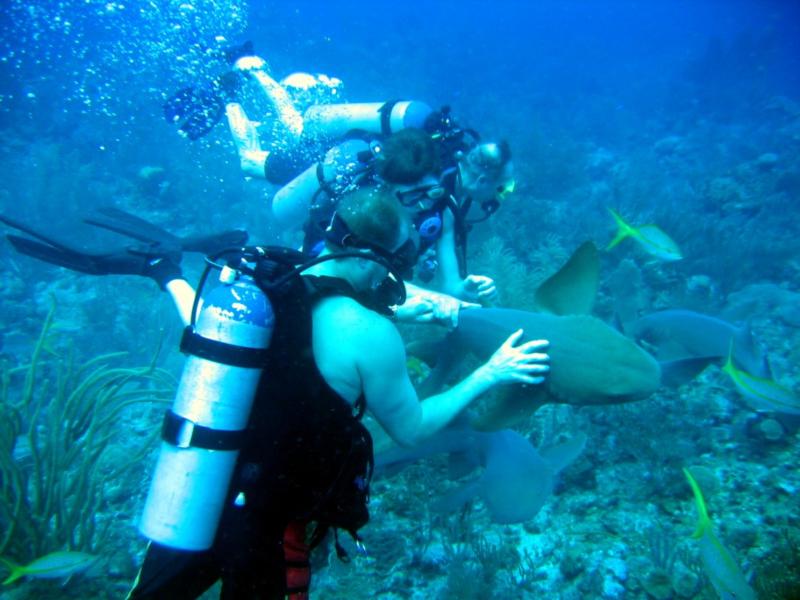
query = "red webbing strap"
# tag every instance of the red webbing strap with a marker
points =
(296, 554)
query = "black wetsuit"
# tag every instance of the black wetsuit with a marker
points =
(307, 458)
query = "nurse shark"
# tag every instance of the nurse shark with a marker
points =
(516, 478)
(591, 363)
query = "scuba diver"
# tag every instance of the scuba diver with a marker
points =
(440, 174)
(311, 118)
(302, 464)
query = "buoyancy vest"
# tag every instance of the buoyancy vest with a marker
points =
(308, 457)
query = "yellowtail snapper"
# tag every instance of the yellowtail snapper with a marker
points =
(722, 570)
(51, 566)
(761, 394)
(650, 237)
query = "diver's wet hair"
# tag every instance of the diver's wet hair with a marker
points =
(374, 215)
(407, 157)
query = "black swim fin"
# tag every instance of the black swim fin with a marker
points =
(157, 246)
(58, 254)
(119, 221)
(199, 108)
(234, 53)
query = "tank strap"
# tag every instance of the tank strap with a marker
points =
(220, 352)
(180, 432)
(386, 116)
(324, 186)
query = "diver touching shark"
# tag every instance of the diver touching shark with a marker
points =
(591, 362)
(264, 447)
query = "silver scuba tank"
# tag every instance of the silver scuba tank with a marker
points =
(384, 118)
(337, 171)
(204, 429)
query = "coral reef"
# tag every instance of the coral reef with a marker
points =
(73, 433)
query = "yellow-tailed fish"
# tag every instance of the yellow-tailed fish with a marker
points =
(654, 241)
(417, 369)
(51, 566)
(760, 393)
(725, 575)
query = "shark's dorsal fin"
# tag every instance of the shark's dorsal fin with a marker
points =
(572, 290)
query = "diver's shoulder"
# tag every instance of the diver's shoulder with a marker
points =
(346, 311)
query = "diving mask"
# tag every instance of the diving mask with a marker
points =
(421, 195)
(400, 262)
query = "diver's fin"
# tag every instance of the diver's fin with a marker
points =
(56, 254)
(157, 261)
(179, 105)
(132, 226)
(129, 259)
(201, 121)
(199, 108)
(49, 249)
(119, 221)
(34, 234)
(211, 244)
(572, 289)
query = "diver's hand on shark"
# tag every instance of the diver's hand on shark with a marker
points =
(526, 363)
(432, 307)
(479, 288)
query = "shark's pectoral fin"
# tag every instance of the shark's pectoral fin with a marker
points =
(449, 356)
(509, 406)
(456, 499)
(559, 456)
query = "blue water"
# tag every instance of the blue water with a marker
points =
(682, 114)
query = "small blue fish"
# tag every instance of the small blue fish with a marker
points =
(51, 566)
(761, 394)
(650, 237)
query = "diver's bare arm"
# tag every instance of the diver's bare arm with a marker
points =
(183, 296)
(448, 275)
(472, 288)
(394, 404)
(526, 363)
